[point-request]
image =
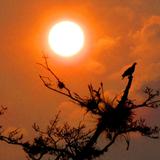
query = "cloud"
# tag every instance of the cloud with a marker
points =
(146, 50)
(149, 34)
(95, 67)
(70, 112)
(142, 46)
(73, 114)
(106, 43)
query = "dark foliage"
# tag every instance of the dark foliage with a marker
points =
(115, 118)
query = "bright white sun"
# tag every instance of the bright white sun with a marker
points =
(66, 38)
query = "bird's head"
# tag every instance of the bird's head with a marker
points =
(134, 63)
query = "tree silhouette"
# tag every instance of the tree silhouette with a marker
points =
(113, 119)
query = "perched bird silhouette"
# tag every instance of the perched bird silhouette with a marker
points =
(61, 85)
(129, 71)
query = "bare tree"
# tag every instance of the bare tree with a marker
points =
(113, 119)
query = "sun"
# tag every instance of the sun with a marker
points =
(66, 38)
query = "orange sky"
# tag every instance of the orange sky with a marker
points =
(118, 33)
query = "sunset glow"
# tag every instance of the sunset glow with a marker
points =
(62, 63)
(66, 38)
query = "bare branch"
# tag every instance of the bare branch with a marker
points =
(152, 99)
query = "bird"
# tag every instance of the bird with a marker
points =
(61, 85)
(129, 71)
